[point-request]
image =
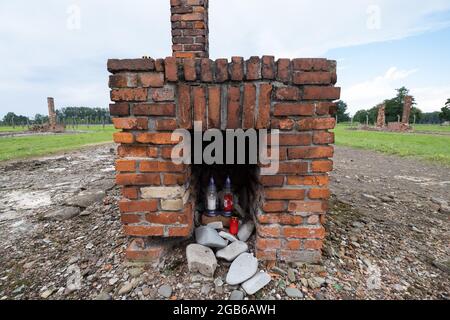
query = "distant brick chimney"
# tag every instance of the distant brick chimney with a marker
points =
(190, 28)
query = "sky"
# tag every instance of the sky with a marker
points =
(59, 48)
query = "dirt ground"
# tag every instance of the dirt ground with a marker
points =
(388, 235)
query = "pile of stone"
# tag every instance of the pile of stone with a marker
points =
(215, 244)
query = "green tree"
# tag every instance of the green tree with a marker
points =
(360, 116)
(445, 112)
(342, 114)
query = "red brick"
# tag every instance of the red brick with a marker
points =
(322, 166)
(323, 137)
(160, 166)
(321, 93)
(283, 73)
(134, 206)
(306, 206)
(272, 181)
(274, 206)
(317, 124)
(171, 179)
(153, 109)
(282, 124)
(166, 217)
(130, 218)
(119, 109)
(293, 109)
(317, 194)
(266, 255)
(273, 218)
(125, 165)
(143, 231)
(288, 93)
(155, 80)
(137, 94)
(166, 124)
(139, 252)
(123, 137)
(131, 179)
(237, 68)
(214, 107)
(131, 123)
(268, 244)
(293, 244)
(131, 193)
(206, 67)
(199, 96)
(304, 232)
(159, 65)
(116, 65)
(303, 78)
(284, 194)
(324, 108)
(156, 138)
(308, 64)
(249, 106)
(184, 107)
(269, 231)
(293, 168)
(137, 151)
(189, 70)
(221, 70)
(253, 68)
(313, 245)
(294, 139)
(308, 180)
(310, 152)
(263, 117)
(171, 69)
(234, 95)
(163, 94)
(184, 55)
(268, 67)
(123, 81)
(180, 231)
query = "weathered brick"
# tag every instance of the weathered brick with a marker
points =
(171, 179)
(125, 80)
(131, 193)
(189, 70)
(321, 93)
(268, 244)
(306, 206)
(119, 109)
(125, 165)
(116, 65)
(127, 218)
(162, 192)
(237, 68)
(171, 69)
(282, 124)
(274, 206)
(157, 138)
(135, 94)
(293, 168)
(221, 70)
(134, 206)
(273, 231)
(199, 97)
(284, 194)
(287, 93)
(303, 78)
(138, 179)
(249, 106)
(184, 107)
(313, 245)
(123, 137)
(131, 123)
(308, 180)
(166, 124)
(317, 123)
(268, 67)
(143, 231)
(283, 73)
(323, 137)
(154, 79)
(207, 72)
(233, 112)
(159, 65)
(317, 194)
(137, 151)
(272, 181)
(293, 109)
(160, 166)
(263, 116)
(322, 166)
(154, 109)
(253, 68)
(166, 93)
(166, 218)
(304, 232)
(294, 139)
(214, 114)
(310, 152)
(310, 64)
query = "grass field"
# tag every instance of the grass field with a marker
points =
(424, 146)
(431, 128)
(31, 146)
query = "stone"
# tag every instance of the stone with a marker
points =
(209, 237)
(291, 275)
(370, 197)
(172, 205)
(439, 201)
(126, 288)
(104, 296)
(46, 294)
(201, 259)
(86, 198)
(232, 251)
(62, 214)
(205, 289)
(294, 293)
(165, 291)
(228, 236)
(162, 192)
(243, 268)
(218, 225)
(237, 295)
(316, 282)
(135, 272)
(444, 209)
(246, 230)
(259, 281)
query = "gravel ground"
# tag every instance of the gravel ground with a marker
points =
(388, 235)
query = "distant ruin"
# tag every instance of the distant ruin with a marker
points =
(52, 124)
(404, 124)
(381, 119)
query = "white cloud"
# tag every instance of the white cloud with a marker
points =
(369, 93)
(42, 57)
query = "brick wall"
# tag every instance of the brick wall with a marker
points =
(154, 97)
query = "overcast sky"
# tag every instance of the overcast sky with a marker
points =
(59, 48)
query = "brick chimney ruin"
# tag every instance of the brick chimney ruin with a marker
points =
(153, 97)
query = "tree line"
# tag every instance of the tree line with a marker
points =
(67, 115)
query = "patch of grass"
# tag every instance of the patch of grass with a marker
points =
(38, 145)
(431, 128)
(424, 146)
